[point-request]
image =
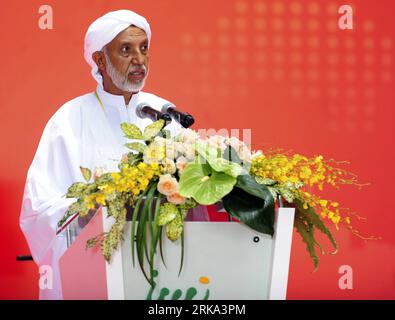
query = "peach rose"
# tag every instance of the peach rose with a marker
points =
(176, 198)
(181, 163)
(167, 185)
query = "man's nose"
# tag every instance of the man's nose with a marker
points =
(137, 58)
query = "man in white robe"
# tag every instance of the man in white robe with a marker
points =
(86, 132)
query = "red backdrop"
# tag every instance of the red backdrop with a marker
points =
(280, 68)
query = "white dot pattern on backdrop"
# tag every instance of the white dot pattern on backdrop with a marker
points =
(273, 41)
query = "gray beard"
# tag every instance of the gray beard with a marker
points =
(121, 82)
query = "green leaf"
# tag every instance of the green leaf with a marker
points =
(153, 129)
(204, 185)
(76, 190)
(216, 162)
(184, 208)
(104, 178)
(252, 204)
(91, 188)
(95, 241)
(83, 209)
(222, 165)
(182, 253)
(86, 173)
(113, 237)
(168, 212)
(265, 181)
(306, 231)
(287, 191)
(115, 207)
(273, 192)
(311, 216)
(137, 146)
(131, 131)
(141, 239)
(150, 199)
(136, 211)
(150, 257)
(133, 159)
(161, 245)
(175, 228)
(76, 207)
(231, 155)
(155, 234)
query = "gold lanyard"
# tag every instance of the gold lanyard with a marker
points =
(101, 103)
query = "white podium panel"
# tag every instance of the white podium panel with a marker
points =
(222, 260)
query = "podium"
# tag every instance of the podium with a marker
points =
(222, 260)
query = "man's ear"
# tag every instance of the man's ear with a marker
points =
(99, 59)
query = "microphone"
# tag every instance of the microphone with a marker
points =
(144, 110)
(183, 118)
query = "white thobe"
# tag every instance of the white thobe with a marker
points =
(80, 133)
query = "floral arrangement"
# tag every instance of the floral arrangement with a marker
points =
(162, 177)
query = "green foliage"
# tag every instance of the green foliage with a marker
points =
(175, 228)
(209, 179)
(113, 237)
(306, 222)
(104, 178)
(132, 160)
(252, 204)
(184, 208)
(265, 181)
(76, 190)
(86, 173)
(216, 162)
(156, 234)
(136, 211)
(204, 184)
(141, 235)
(231, 155)
(153, 129)
(131, 131)
(306, 231)
(168, 212)
(76, 207)
(95, 241)
(115, 207)
(136, 146)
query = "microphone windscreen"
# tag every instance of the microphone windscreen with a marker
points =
(139, 109)
(166, 107)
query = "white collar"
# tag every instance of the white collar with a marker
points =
(113, 100)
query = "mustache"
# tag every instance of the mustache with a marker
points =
(137, 68)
